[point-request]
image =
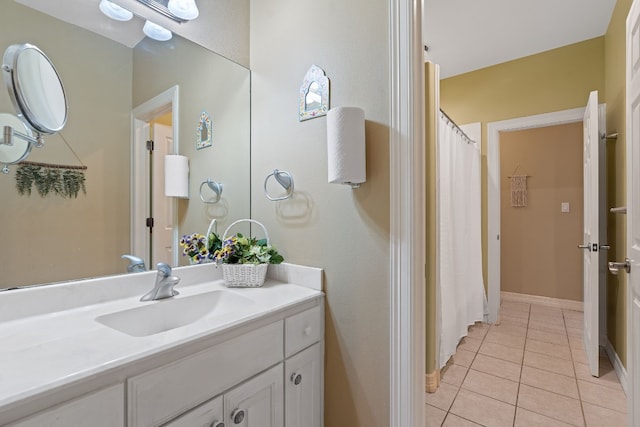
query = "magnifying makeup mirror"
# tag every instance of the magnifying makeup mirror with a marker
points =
(38, 97)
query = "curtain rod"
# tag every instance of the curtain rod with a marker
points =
(455, 125)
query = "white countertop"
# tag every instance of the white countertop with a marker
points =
(49, 348)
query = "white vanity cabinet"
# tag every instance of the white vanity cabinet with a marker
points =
(303, 388)
(103, 408)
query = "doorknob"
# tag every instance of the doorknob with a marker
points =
(587, 246)
(614, 267)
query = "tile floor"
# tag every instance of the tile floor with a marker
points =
(531, 370)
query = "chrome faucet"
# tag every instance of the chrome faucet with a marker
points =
(164, 284)
(136, 265)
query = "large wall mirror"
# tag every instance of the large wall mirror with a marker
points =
(53, 239)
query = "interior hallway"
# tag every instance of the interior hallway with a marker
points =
(531, 370)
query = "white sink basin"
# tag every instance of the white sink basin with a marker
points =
(163, 315)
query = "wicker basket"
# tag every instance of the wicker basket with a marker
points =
(244, 275)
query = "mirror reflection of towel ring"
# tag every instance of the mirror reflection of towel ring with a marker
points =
(216, 187)
(285, 179)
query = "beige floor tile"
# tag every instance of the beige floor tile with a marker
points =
(454, 374)
(550, 404)
(548, 337)
(463, 357)
(598, 416)
(469, 344)
(515, 305)
(549, 363)
(499, 368)
(443, 397)
(573, 314)
(579, 356)
(526, 418)
(546, 320)
(608, 376)
(575, 332)
(491, 386)
(550, 381)
(602, 396)
(549, 349)
(573, 323)
(505, 339)
(543, 310)
(433, 416)
(510, 329)
(547, 327)
(503, 352)
(456, 421)
(513, 320)
(576, 341)
(482, 410)
(477, 333)
(522, 314)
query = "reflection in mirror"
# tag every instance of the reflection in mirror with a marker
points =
(314, 94)
(35, 87)
(54, 239)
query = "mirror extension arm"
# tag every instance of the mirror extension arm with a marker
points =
(9, 133)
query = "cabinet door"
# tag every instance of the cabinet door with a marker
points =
(209, 414)
(258, 402)
(304, 388)
(104, 408)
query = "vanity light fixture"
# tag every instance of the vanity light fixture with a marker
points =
(156, 32)
(185, 9)
(115, 11)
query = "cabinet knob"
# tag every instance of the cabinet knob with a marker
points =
(307, 330)
(237, 416)
(296, 378)
(217, 424)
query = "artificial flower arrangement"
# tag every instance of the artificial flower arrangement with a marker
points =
(239, 249)
(245, 260)
(199, 248)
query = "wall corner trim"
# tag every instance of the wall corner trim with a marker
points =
(621, 372)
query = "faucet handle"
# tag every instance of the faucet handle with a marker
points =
(164, 269)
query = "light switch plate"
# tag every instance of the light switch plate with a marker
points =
(564, 207)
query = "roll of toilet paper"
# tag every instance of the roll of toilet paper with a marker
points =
(346, 146)
(176, 176)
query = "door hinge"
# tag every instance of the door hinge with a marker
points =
(150, 145)
(150, 222)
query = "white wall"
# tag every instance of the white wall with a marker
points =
(343, 231)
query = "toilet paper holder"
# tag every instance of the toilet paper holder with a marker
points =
(215, 186)
(283, 178)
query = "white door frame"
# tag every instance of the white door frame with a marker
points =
(163, 103)
(407, 222)
(493, 194)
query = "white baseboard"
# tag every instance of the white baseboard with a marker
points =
(621, 372)
(567, 304)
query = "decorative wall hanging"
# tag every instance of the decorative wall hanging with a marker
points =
(203, 131)
(60, 180)
(518, 189)
(314, 94)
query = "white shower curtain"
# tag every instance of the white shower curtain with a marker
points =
(460, 287)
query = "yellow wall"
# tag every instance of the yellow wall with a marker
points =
(556, 80)
(552, 81)
(431, 122)
(538, 241)
(616, 172)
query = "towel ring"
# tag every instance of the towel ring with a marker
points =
(216, 187)
(285, 179)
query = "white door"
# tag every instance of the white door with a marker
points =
(303, 388)
(633, 211)
(591, 236)
(258, 402)
(161, 206)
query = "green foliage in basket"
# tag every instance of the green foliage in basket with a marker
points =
(199, 248)
(247, 250)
